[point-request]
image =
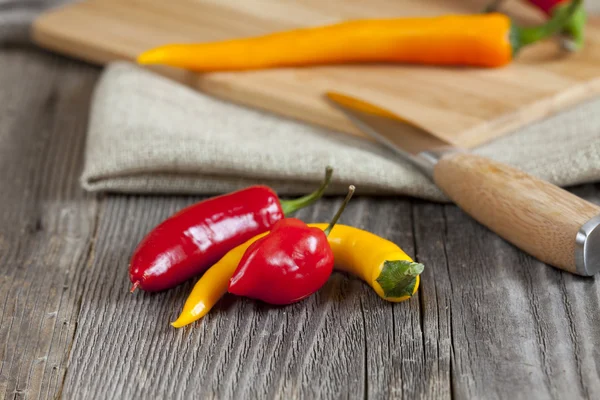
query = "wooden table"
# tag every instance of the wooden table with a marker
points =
(488, 322)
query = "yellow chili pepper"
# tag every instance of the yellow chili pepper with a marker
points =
(377, 261)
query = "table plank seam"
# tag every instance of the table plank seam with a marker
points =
(89, 260)
(365, 354)
(420, 293)
(453, 388)
(573, 335)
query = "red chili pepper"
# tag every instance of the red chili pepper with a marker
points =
(196, 237)
(289, 264)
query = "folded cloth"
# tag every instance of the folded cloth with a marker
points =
(148, 134)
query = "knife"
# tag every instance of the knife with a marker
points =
(549, 223)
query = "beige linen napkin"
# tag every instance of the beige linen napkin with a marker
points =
(148, 134)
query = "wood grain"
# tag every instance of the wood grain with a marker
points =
(536, 216)
(467, 107)
(513, 330)
(338, 343)
(46, 221)
(489, 322)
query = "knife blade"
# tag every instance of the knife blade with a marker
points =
(547, 222)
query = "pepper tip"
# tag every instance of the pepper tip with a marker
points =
(149, 57)
(136, 284)
(178, 323)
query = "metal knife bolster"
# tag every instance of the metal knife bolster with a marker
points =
(428, 159)
(587, 248)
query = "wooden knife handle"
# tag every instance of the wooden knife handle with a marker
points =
(536, 216)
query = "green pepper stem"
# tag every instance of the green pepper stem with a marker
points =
(340, 210)
(523, 36)
(290, 206)
(573, 31)
(399, 277)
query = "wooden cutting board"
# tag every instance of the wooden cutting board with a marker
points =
(463, 105)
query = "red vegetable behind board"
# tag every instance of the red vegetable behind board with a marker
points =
(196, 237)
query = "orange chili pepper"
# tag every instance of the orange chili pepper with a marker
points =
(484, 40)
